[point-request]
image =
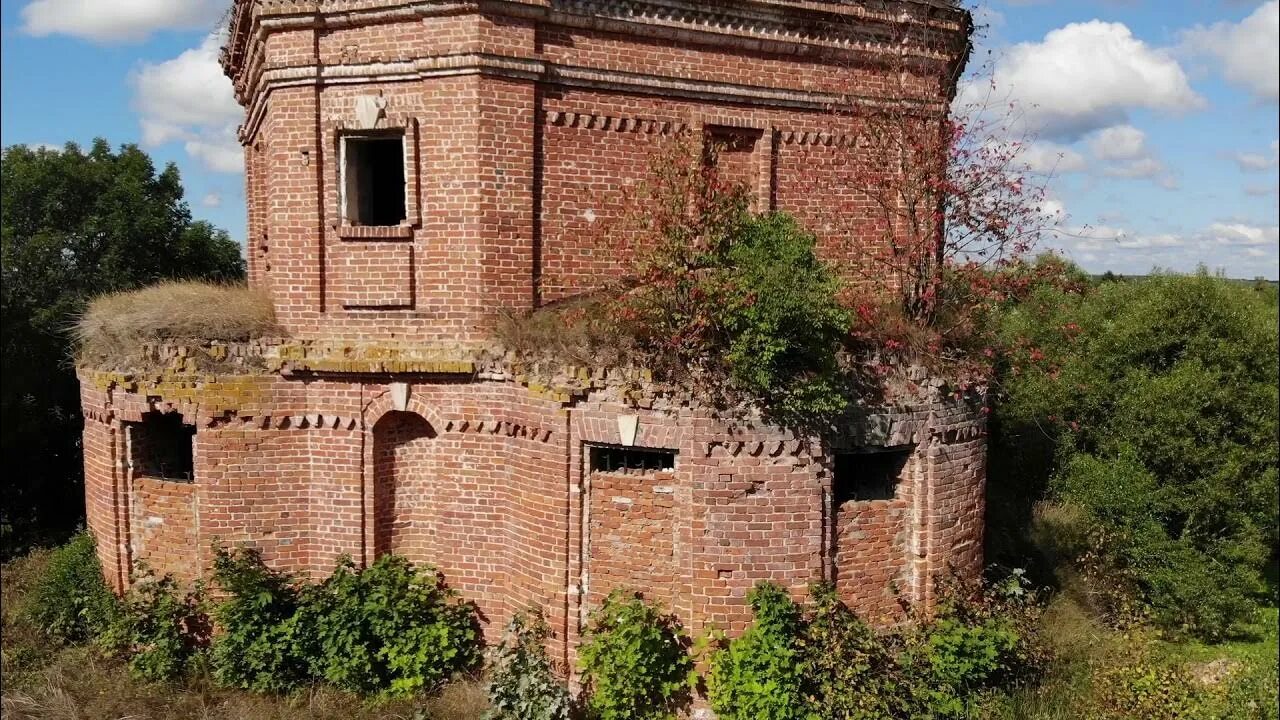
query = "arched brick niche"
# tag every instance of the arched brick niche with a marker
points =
(403, 460)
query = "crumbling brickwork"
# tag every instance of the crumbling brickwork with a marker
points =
(380, 425)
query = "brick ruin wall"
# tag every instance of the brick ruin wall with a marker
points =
(527, 125)
(489, 479)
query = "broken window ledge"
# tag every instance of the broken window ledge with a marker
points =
(375, 232)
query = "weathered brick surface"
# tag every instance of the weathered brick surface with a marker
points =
(527, 126)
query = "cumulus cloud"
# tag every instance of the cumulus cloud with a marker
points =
(1245, 52)
(1124, 152)
(1085, 77)
(1257, 162)
(1120, 142)
(1045, 157)
(1237, 233)
(211, 200)
(187, 99)
(118, 20)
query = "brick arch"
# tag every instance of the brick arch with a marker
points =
(403, 469)
(383, 404)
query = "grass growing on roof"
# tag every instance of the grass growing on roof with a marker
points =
(115, 324)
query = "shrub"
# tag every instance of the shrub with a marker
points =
(635, 662)
(158, 629)
(263, 647)
(522, 684)
(1144, 687)
(760, 674)
(783, 320)
(849, 671)
(1160, 396)
(980, 640)
(70, 601)
(389, 629)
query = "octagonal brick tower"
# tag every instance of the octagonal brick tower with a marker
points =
(518, 121)
(414, 166)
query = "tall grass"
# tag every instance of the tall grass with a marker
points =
(115, 324)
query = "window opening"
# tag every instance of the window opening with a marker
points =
(863, 476)
(161, 447)
(614, 459)
(373, 182)
(728, 145)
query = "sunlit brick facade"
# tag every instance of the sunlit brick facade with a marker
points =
(415, 166)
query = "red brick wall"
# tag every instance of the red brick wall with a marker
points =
(507, 207)
(497, 495)
(631, 538)
(871, 538)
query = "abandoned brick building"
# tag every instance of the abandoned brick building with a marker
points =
(415, 165)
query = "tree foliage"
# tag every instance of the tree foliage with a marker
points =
(1159, 397)
(75, 224)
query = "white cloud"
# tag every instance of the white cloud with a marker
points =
(1085, 77)
(1254, 162)
(1124, 150)
(1243, 234)
(1245, 51)
(188, 99)
(1047, 157)
(1119, 142)
(212, 200)
(118, 20)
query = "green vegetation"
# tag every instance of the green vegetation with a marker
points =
(760, 674)
(391, 629)
(635, 662)
(522, 683)
(158, 629)
(69, 601)
(827, 664)
(1159, 400)
(75, 225)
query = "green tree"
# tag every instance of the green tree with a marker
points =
(1160, 398)
(75, 225)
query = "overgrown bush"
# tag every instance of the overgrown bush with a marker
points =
(1159, 398)
(263, 646)
(849, 671)
(522, 683)
(71, 602)
(982, 637)
(760, 675)
(389, 629)
(735, 304)
(158, 628)
(1143, 687)
(635, 662)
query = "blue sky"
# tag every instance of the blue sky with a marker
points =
(1157, 117)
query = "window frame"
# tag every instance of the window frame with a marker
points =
(406, 139)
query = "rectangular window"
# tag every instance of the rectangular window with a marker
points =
(161, 447)
(615, 459)
(373, 182)
(863, 476)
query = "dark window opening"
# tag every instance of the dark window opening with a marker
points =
(161, 447)
(615, 459)
(868, 475)
(373, 180)
(722, 143)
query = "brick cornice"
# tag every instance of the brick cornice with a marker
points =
(781, 26)
(551, 73)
